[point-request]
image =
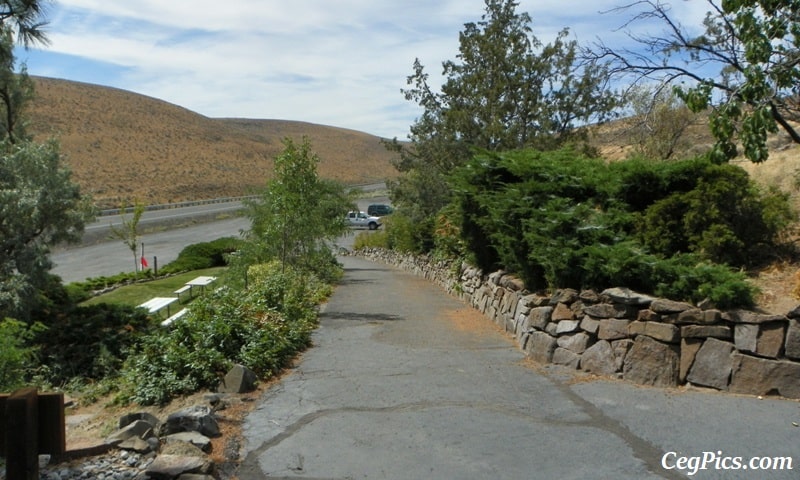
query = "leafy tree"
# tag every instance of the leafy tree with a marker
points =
(39, 204)
(129, 231)
(16, 353)
(39, 207)
(752, 45)
(298, 214)
(506, 90)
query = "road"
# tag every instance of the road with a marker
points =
(169, 231)
(405, 382)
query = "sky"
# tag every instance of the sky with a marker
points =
(332, 62)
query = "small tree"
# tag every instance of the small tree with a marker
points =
(128, 232)
(658, 122)
(298, 214)
(39, 207)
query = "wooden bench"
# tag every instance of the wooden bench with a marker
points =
(168, 322)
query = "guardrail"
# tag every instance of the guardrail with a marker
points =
(192, 203)
(167, 206)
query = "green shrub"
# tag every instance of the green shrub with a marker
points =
(407, 233)
(17, 354)
(561, 220)
(377, 239)
(724, 218)
(89, 341)
(203, 255)
(261, 327)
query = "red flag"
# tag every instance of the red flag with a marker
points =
(144, 262)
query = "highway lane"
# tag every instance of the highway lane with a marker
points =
(101, 256)
(111, 257)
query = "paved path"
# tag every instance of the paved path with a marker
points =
(404, 382)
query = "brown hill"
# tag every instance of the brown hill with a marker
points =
(122, 146)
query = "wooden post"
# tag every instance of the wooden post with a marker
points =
(22, 432)
(30, 424)
(52, 424)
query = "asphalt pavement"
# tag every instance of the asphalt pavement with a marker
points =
(406, 382)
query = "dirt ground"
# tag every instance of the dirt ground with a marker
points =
(89, 425)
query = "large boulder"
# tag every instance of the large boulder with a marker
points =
(193, 419)
(239, 379)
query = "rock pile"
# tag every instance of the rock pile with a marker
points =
(146, 448)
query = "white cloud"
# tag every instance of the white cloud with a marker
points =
(338, 63)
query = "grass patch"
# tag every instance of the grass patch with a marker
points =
(139, 293)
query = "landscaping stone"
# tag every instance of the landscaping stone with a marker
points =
(540, 347)
(565, 295)
(198, 440)
(648, 315)
(621, 349)
(540, 317)
(664, 306)
(746, 316)
(689, 349)
(660, 331)
(239, 379)
(722, 332)
(129, 418)
(562, 356)
(627, 296)
(138, 429)
(650, 362)
(691, 316)
(590, 325)
(712, 365)
(792, 346)
(567, 326)
(561, 312)
(760, 376)
(599, 359)
(193, 419)
(613, 328)
(764, 339)
(577, 343)
(168, 467)
(607, 310)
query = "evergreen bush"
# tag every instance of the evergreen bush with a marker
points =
(559, 219)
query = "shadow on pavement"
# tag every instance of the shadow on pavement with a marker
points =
(360, 317)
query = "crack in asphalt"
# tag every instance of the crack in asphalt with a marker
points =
(642, 449)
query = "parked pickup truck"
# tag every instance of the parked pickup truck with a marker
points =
(362, 220)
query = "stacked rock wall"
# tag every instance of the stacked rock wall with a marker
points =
(621, 333)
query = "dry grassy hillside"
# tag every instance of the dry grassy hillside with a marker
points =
(122, 146)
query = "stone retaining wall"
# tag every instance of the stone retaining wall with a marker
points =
(621, 333)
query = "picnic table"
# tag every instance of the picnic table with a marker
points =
(201, 281)
(157, 303)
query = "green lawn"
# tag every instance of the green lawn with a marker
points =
(139, 293)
